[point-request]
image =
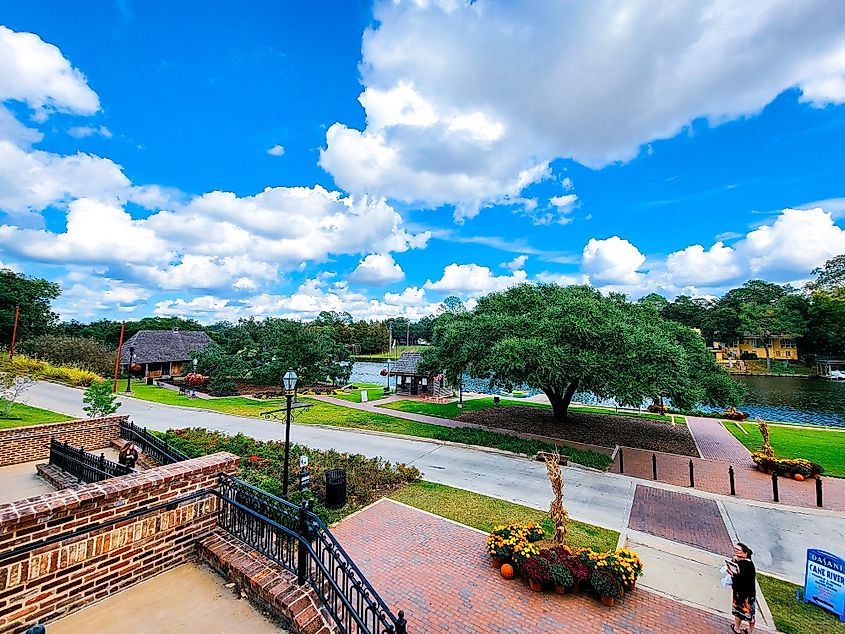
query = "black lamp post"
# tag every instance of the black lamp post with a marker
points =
(289, 381)
(129, 369)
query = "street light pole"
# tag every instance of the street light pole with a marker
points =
(289, 381)
(129, 369)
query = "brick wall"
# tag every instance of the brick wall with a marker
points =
(32, 442)
(53, 580)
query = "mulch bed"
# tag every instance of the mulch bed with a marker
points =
(594, 429)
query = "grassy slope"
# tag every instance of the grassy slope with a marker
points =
(340, 416)
(796, 617)
(483, 513)
(451, 410)
(827, 448)
(31, 416)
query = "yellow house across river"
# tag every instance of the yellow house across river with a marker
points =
(781, 348)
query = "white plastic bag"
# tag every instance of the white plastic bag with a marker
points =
(726, 581)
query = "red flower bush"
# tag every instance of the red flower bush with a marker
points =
(195, 379)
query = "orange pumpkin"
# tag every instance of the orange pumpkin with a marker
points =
(798, 477)
(507, 571)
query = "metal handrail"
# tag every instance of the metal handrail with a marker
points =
(375, 603)
(84, 464)
(164, 452)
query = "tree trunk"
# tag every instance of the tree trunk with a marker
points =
(768, 360)
(560, 402)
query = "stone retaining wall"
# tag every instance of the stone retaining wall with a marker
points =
(32, 442)
(56, 579)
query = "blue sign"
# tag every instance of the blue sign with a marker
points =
(824, 581)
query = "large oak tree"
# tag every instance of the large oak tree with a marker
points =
(566, 339)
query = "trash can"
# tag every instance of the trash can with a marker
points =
(335, 488)
(149, 380)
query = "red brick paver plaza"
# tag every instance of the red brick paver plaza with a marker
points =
(439, 574)
(688, 519)
(712, 475)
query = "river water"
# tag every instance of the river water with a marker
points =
(805, 401)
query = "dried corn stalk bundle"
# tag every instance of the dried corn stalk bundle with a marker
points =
(557, 511)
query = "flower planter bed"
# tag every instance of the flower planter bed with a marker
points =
(607, 574)
(787, 467)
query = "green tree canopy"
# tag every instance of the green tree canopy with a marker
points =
(830, 276)
(33, 295)
(262, 351)
(560, 340)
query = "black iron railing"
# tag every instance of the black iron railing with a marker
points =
(151, 445)
(296, 539)
(84, 466)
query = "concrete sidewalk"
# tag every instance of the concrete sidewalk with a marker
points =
(779, 535)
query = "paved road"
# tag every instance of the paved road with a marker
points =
(778, 537)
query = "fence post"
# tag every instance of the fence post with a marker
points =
(81, 462)
(731, 477)
(818, 491)
(621, 461)
(775, 487)
(691, 474)
(401, 623)
(654, 466)
(305, 534)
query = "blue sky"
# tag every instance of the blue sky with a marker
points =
(216, 161)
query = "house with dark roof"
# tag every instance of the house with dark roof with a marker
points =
(411, 382)
(164, 353)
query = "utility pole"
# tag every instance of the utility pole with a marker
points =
(389, 346)
(14, 332)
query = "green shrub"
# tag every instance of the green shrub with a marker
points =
(368, 479)
(222, 386)
(99, 400)
(22, 365)
(77, 352)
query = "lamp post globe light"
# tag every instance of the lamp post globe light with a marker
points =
(289, 383)
(129, 369)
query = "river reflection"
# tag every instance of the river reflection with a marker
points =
(808, 401)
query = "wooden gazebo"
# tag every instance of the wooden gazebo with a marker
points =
(410, 382)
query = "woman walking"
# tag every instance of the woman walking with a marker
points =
(744, 585)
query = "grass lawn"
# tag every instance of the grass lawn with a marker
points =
(796, 617)
(374, 392)
(827, 448)
(483, 513)
(340, 416)
(451, 410)
(25, 415)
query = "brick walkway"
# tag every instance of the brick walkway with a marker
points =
(438, 573)
(717, 443)
(680, 517)
(712, 476)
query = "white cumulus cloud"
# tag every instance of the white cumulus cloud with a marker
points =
(377, 270)
(474, 279)
(468, 102)
(614, 261)
(276, 150)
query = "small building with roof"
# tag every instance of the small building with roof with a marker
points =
(164, 353)
(411, 382)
